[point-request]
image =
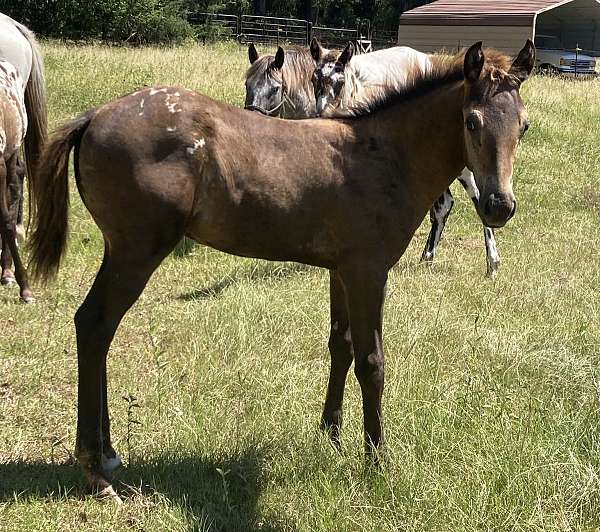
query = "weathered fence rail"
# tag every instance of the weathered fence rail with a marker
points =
(273, 29)
(262, 29)
(335, 37)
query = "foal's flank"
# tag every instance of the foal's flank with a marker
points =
(349, 201)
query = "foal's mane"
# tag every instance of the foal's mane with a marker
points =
(444, 70)
(298, 62)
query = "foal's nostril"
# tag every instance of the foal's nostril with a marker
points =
(490, 204)
(514, 209)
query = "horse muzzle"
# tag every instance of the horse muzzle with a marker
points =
(498, 209)
(267, 112)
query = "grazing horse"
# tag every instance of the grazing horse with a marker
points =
(18, 47)
(345, 81)
(280, 84)
(342, 194)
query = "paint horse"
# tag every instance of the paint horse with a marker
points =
(24, 103)
(280, 84)
(346, 80)
(184, 164)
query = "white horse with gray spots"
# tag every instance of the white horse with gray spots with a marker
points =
(343, 81)
(23, 122)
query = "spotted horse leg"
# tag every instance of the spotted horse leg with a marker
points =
(491, 251)
(438, 214)
(9, 198)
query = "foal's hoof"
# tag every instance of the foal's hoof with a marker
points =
(8, 280)
(110, 495)
(98, 478)
(100, 486)
(492, 270)
(27, 297)
(427, 258)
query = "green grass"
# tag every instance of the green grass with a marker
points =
(491, 401)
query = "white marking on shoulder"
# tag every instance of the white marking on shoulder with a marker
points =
(156, 91)
(198, 143)
(141, 107)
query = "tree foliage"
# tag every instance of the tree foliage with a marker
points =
(137, 21)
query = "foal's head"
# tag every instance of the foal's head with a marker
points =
(265, 87)
(495, 120)
(329, 78)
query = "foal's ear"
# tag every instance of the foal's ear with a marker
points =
(346, 54)
(523, 64)
(279, 58)
(316, 50)
(474, 60)
(252, 53)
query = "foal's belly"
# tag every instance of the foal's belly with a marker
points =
(278, 242)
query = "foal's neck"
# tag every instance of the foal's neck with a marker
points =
(428, 131)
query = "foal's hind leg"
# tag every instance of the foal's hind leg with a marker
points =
(123, 275)
(438, 214)
(365, 293)
(9, 198)
(340, 348)
(491, 251)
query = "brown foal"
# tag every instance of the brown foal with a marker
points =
(345, 194)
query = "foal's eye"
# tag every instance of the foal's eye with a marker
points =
(472, 123)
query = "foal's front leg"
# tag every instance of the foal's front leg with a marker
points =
(491, 251)
(438, 214)
(365, 293)
(340, 348)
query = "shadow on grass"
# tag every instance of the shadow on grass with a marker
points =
(219, 493)
(260, 271)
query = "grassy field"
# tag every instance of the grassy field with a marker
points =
(217, 375)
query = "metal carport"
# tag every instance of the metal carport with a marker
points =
(453, 24)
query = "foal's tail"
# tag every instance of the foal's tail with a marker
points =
(49, 190)
(35, 104)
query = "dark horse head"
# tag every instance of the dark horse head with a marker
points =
(280, 84)
(495, 120)
(265, 88)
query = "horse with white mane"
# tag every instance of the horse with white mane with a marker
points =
(344, 81)
(24, 120)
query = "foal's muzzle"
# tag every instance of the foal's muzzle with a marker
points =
(498, 209)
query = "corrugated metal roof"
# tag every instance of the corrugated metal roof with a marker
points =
(465, 12)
